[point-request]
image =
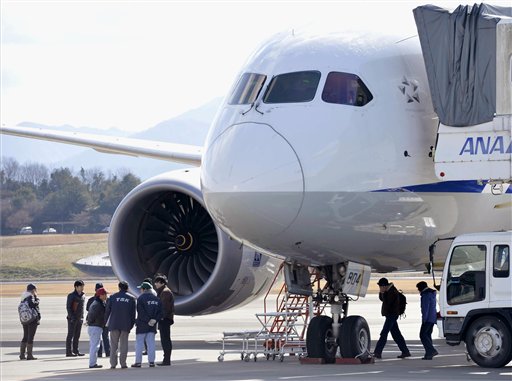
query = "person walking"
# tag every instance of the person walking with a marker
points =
(389, 296)
(29, 330)
(75, 315)
(120, 317)
(428, 318)
(164, 325)
(149, 312)
(104, 343)
(96, 323)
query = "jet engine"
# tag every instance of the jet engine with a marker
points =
(162, 226)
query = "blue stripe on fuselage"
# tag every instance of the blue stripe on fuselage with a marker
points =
(467, 186)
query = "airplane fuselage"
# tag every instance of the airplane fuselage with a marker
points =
(295, 168)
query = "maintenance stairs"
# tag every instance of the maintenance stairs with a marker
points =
(283, 328)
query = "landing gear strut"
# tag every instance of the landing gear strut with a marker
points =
(350, 334)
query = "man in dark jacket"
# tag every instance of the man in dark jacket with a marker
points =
(104, 335)
(149, 312)
(164, 325)
(96, 323)
(428, 319)
(388, 294)
(75, 315)
(120, 315)
(29, 330)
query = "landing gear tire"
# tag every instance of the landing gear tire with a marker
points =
(489, 342)
(354, 337)
(320, 340)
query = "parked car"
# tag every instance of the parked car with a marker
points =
(26, 230)
(49, 231)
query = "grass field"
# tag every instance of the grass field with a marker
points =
(46, 257)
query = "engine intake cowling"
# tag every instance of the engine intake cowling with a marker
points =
(162, 226)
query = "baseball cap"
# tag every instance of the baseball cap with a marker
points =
(98, 285)
(145, 286)
(383, 282)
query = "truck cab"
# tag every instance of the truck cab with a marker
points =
(476, 297)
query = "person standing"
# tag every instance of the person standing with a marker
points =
(389, 296)
(96, 323)
(164, 325)
(75, 315)
(120, 316)
(428, 318)
(149, 312)
(29, 330)
(150, 281)
(106, 343)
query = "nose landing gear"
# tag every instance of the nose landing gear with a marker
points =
(349, 334)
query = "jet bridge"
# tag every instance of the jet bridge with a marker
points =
(468, 58)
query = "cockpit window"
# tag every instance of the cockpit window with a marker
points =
(345, 89)
(292, 87)
(247, 89)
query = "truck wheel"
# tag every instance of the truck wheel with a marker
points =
(354, 337)
(489, 342)
(320, 340)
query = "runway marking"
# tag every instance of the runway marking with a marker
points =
(479, 373)
(333, 374)
(452, 366)
(419, 371)
(506, 374)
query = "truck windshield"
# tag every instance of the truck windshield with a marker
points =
(466, 274)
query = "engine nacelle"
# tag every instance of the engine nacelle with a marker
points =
(162, 226)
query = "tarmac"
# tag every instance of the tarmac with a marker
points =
(197, 344)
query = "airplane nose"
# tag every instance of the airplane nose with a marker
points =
(252, 182)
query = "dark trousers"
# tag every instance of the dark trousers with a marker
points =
(165, 338)
(74, 329)
(391, 325)
(29, 331)
(426, 338)
(105, 343)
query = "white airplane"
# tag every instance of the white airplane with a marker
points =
(320, 155)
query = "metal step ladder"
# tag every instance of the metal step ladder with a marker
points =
(284, 322)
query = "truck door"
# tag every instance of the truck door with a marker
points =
(466, 283)
(501, 284)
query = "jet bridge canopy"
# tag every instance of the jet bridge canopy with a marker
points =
(460, 54)
(468, 58)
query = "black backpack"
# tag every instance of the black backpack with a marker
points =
(402, 301)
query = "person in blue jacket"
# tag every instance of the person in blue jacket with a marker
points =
(149, 312)
(428, 318)
(120, 318)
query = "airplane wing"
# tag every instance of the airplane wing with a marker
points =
(180, 153)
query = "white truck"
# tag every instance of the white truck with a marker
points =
(476, 297)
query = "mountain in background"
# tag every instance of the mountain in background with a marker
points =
(188, 128)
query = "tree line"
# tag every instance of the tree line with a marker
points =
(82, 202)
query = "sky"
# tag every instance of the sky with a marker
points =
(133, 64)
